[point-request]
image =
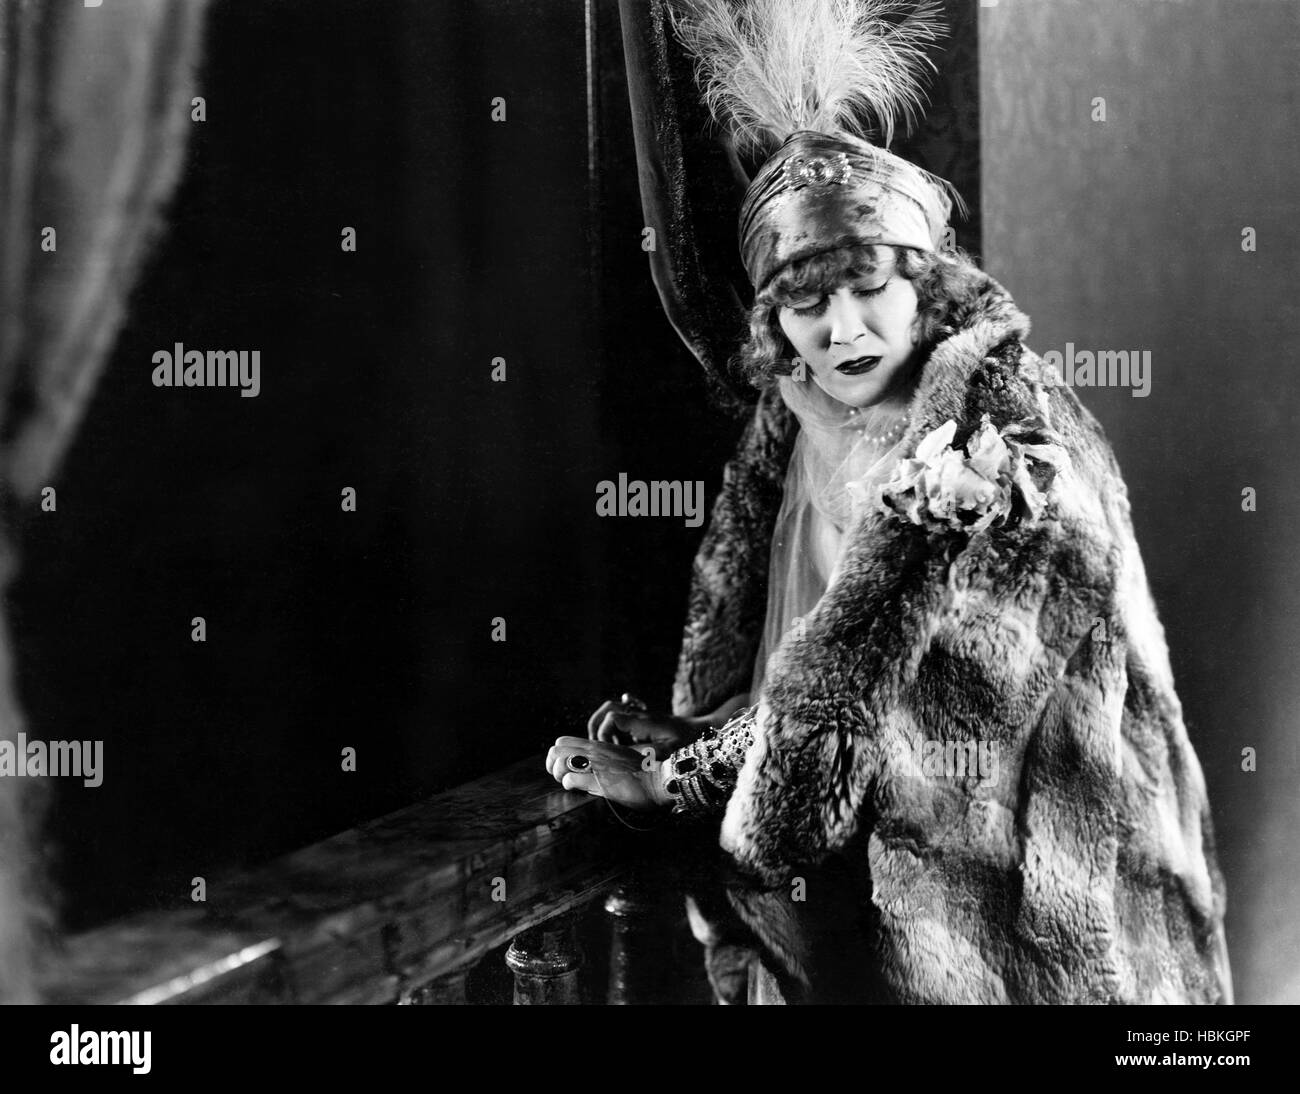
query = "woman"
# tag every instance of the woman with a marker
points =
(956, 771)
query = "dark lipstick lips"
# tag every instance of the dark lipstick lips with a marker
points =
(858, 366)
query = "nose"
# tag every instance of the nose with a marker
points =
(845, 317)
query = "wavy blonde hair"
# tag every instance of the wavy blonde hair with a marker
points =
(947, 282)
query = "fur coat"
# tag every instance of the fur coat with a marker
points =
(1086, 871)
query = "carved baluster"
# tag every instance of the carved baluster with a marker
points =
(546, 961)
(642, 963)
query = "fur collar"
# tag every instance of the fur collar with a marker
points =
(988, 322)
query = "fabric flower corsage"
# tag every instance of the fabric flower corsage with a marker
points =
(987, 481)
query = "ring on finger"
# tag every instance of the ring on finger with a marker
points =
(578, 762)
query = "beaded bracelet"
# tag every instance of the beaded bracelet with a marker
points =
(696, 779)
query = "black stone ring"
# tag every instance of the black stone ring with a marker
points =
(577, 762)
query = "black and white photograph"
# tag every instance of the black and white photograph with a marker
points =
(650, 502)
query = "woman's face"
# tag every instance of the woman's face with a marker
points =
(858, 340)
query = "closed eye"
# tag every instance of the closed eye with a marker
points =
(815, 308)
(815, 305)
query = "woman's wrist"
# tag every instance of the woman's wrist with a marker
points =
(698, 775)
(655, 780)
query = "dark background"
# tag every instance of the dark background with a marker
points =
(476, 500)
(328, 629)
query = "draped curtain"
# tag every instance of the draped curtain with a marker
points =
(95, 112)
(692, 183)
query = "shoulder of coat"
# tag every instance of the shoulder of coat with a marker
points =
(1012, 358)
(1007, 380)
(1028, 381)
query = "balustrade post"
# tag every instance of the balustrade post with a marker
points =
(642, 954)
(546, 961)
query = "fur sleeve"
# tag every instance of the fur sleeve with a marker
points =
(936, 635)
(728, 595)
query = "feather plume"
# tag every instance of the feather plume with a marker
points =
(767, 68)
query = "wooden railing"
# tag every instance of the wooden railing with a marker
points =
(404, 909)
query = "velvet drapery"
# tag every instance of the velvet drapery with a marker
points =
(95, 113)
(692, 183)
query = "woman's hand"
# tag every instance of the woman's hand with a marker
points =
(627, 723)
(627, 776)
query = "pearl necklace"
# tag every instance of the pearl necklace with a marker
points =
(889, 436)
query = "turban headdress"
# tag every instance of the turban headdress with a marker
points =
(810, 83)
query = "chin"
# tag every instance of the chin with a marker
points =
(858, 391)
(887, 382)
